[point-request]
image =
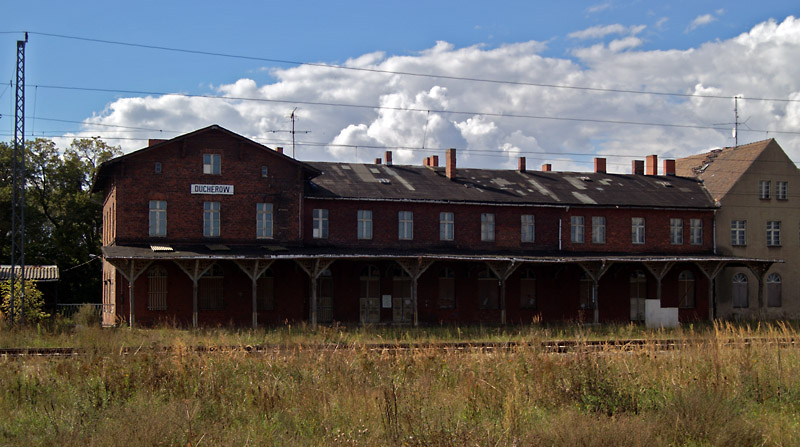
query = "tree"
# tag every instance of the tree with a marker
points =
(33, 302)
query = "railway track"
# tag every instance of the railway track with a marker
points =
(551, 347)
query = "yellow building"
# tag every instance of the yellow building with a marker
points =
(757, 190)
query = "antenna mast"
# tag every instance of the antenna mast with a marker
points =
(736, 121)
(293, 117)
(18, 187)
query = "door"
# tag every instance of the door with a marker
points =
(325, 297)
(638, 284)
(370, 298)
(402, 306)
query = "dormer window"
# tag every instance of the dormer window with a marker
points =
(211, 164)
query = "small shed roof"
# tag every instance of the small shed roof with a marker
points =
(42, 273)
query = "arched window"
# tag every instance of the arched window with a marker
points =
(265, 299)
(370, 294)
(686, 289)
(488, 290)
(740, 291)
(527, 289)
(774, 290)
(447, 288)
(210, 291)
(157, 291)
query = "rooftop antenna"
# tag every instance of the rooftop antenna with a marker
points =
(736, 123)
(292, 116)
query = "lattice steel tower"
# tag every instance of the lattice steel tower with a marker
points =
(18, 186)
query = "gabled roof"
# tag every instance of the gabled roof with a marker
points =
(430, 184)
(42, 273)
(103, 169)
(720, 169)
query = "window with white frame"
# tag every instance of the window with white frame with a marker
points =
(774, 290)
(211, 164)
(446, 226)
(739, 232)
(598, 230)
(264, 220)
(158, 218)
(211, 219)
(319, 224)
(528, 228)
(782, 190)
(364, 224)
(405, 225)
(676, 231)
(763, 189)
(773, 233)
(576, 229)
(487, 227)
(696, 231)
(637, 230)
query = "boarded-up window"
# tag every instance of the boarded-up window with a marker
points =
(447, 288)
(370, 305)
(157, 292)
(265, 295)
(210, 296)
(527, 290)
(488, 292)
(686, 289)
(740, 292)
(774, 290)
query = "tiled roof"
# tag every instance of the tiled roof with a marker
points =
(720, 169)
(42, 273)
(420, 183)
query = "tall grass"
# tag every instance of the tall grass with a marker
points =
(728, 385)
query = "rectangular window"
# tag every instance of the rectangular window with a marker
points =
(676, 231)
(264, 172)
(320, 224)
(773, 233)
(405, 225)
(446, 227)
(738, 232)
(528, 228)
(211, 219)
(763, 189)
(782, 190)
(637, 230)
(576, 229)
(696, 231)
(158, 167)
(487, 227)
(158, 218)
(211, 164)
(264, 220)
(364, 224)
(598, 230)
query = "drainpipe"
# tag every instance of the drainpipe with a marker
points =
(559, 234)
(714, 231)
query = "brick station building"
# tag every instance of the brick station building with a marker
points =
(213, 228)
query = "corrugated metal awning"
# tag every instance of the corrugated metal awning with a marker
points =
(43, 273)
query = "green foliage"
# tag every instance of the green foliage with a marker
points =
(86, 316)
(33, 303)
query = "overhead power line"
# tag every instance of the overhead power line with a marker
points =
(407, 73)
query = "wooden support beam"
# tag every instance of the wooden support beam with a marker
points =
(415, 268)
(314, 268)
(595, 270)
(130, 269)
(194, 269)
(254, 270)
(503, 270)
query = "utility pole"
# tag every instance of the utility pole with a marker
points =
(18, 186)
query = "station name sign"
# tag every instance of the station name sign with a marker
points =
(211, 189)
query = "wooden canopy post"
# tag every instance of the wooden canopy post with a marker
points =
(129, 270)
(194, 269)
(710, 269)
(415, 269)
(503, 270)
(254, 270)
(659, 270)
(760, 270)
(314, 268)
(595, 270)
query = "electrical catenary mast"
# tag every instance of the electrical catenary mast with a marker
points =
(18, 186)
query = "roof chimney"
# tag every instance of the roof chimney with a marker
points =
(637, 167)
(377, 161)
(279, 150)
(426, 161)
(521, 164)
(435, 161)
(388, 157)
(450, 159)
(669, 167)
(652, 165)
(154, 141)
(600, 165)
(547, 167)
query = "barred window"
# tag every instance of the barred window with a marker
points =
(157, 290)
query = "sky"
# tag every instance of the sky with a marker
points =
(556, 82)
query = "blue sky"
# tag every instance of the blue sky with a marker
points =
(674, 46)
